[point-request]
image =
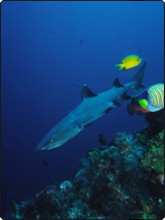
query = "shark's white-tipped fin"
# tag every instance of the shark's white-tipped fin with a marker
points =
(86, 92)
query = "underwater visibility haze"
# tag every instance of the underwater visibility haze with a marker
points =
(49, 51)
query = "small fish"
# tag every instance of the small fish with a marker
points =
(129, 62)
(102, 141)
(150, 100)
(46, 163)
(81, 41)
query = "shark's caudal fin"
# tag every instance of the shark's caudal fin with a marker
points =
(138, 88)
(137, 79)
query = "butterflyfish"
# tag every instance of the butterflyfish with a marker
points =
(129, 62)
(150, 100)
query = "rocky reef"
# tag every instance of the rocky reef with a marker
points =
(122, 180)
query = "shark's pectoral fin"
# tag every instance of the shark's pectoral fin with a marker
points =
(79, 125)
(86, 92)
(89, 121)
(86, 124)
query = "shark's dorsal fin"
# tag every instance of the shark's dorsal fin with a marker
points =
(86, 92)
(117, 83)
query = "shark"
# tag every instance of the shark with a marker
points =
(92, 107)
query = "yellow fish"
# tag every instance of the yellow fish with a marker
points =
(129, 62)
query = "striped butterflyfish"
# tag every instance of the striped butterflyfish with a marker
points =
(149, 100)
(152, 99)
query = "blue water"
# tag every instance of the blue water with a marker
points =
(49, 50)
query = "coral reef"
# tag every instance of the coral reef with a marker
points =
(154, 158)
(122, 181)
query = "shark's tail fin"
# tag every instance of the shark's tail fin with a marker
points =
(137, 89)
(137, 79)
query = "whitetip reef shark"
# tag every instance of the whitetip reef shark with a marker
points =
(88, 111)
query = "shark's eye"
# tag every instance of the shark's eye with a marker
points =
(143, 103)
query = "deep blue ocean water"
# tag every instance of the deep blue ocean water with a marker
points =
(49, 50)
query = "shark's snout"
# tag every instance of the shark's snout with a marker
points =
(49, 146)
